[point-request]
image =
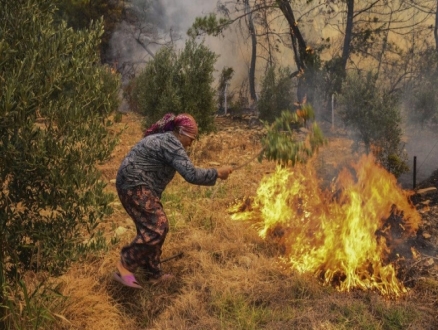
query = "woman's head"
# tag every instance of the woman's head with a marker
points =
(186, 128)
(186, 125)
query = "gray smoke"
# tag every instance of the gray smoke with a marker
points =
(149, 26)
(422, 143)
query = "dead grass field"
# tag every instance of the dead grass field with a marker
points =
(228, 277)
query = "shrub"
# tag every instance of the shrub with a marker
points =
(374, 115)
(178, 82)
(54, 104)
(277, 94)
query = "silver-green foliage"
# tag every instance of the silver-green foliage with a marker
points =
(178, 82)
(373, 113)
(55, 98)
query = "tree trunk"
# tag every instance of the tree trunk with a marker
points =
(435, 30)
(348, 34)
(295, 32)
(297, 40)
(252, 32)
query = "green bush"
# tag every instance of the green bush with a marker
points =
(374, 115)
(178, 82)
(54, 104)
(277, 94)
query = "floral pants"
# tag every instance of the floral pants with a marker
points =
(152, 226)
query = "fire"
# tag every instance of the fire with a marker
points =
(342, 234)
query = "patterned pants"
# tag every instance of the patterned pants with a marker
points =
(152, 226)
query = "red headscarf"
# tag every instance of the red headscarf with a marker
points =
(184, 123)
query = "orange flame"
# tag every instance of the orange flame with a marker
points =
(340, 234)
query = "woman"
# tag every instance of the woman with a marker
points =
(142, 177)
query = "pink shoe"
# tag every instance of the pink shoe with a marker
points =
(127, 280)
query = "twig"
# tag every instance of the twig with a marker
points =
(178, 255)
(237, 168)
(248, 161)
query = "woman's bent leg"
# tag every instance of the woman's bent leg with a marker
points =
(152, 226)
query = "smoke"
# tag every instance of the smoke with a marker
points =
(148, 26)
(181, 14)
(232, 48)
(166, 22)
(421, 143)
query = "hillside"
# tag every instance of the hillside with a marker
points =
(228, 276)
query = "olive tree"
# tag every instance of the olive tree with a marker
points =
(54, 104)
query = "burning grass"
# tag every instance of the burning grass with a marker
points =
(230, 276)
(342, 235)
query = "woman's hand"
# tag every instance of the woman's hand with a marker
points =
(224, 171)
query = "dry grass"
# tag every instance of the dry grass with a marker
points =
(228, 278)
(89, 304)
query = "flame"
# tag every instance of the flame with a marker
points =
(340, 234)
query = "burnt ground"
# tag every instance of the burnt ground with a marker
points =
(427, 206)
(418, 264)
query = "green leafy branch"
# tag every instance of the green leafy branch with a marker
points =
(288, 141)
